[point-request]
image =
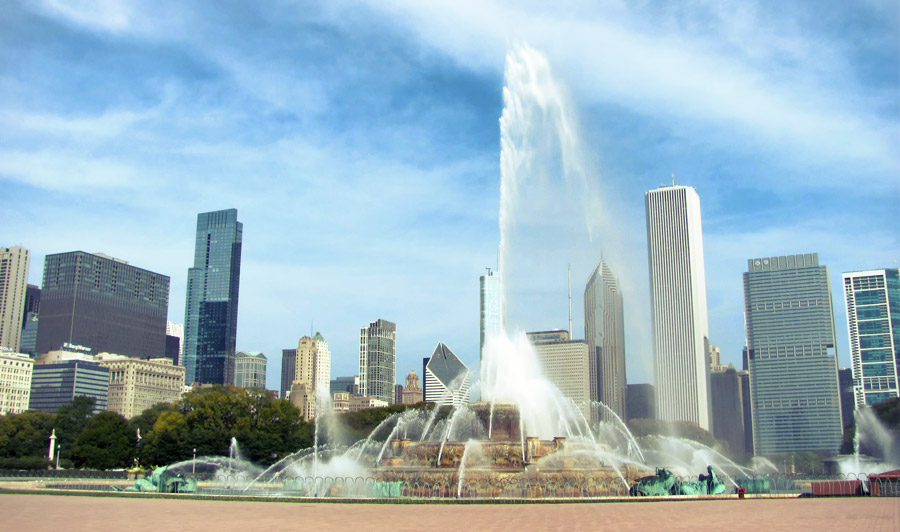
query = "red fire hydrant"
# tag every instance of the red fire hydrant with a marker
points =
(740, 492)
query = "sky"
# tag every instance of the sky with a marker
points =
(360, 143)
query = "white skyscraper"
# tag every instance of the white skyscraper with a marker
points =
(491, 313)
(13, 282)
(678, 298)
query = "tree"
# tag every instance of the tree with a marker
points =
(24, 439)
(70, 421)
(146, 419)
(106, 442)
(206, 419)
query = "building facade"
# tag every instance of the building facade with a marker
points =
(641, 401)
(678, 299)
(378, 360)
(15, 382)
(447, 377)
(57, 384)
(211, 309)
(250, 369)
(791, 354)
(565, 363)
(136, 384)
(14, 263)
(345, 384)
(728, 409)
(491, 313)
(312, 374)
(604, 332)
(412, 393)
(103, 303)
(873, 322)
(848, 397)
(288, 369)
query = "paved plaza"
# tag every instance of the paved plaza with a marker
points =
(77, 513)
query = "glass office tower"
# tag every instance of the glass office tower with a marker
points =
(211, 309)
(604, 332)
(378, 360)
(792, 359)
(873, 321)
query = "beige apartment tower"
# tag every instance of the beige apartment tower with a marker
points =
(14, 263)
(312, 374)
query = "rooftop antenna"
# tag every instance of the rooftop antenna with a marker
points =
(673, 179)
(570, 299)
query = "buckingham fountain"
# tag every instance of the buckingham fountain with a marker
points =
(524, 439)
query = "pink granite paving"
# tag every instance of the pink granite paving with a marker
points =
(73, 513)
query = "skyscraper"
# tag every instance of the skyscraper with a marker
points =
(103, 303)
(604, 332)
(447, 377)
(564, 362)
(873, 320)
(13, 283)
(791, 354)
(491, 314)
(312, 374)
(211, 309)
(377, 360)
(678, 298)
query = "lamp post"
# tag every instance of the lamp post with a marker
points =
(58, 447)
(194, 462)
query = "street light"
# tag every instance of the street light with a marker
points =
(194, 462)
(58, 446)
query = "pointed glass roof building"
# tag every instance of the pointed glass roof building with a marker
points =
(446, 378)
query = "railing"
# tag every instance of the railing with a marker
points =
(512, 489)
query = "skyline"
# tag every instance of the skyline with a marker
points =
(298, 115)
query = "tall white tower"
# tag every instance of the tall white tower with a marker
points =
(678, 297)
(491, 311)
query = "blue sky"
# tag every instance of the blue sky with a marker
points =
(359, 142)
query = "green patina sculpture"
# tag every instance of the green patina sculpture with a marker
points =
(663, 483)
(162, 481)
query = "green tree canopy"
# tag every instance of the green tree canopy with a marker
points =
(25, 439)
(206, 419)
(107, 442)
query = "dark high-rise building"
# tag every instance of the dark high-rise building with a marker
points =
(641, 399)
(793, 363)
(173, 346)
(288, 370)
(848, 400)
(103, 303)
(211, 309)
(32, 301)
(55, 385)
(746, 405)
(728, 409)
